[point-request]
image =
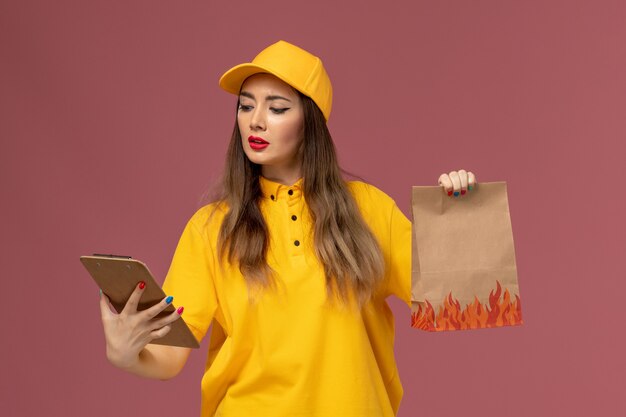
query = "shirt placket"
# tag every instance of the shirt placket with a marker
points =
(293, 199)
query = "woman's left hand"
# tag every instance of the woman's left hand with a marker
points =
(458, 182)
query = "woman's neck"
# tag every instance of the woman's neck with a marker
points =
(282, 175)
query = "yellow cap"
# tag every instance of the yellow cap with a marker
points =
(295, 66)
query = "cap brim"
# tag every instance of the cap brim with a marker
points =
(232, 79)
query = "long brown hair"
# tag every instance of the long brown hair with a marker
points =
(343, 242)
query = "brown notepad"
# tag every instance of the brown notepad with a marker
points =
(118, 276)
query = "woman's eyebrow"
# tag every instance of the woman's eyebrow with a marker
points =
(267, 98)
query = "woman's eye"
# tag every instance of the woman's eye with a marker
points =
(279, 111)
(244, 108)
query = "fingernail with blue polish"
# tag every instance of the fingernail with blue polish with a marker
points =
(169, 299)
(469, 188)
(456, 193)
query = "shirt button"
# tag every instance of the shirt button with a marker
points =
(290, 192)
(272, 196)
(297, 243)
(294, 218)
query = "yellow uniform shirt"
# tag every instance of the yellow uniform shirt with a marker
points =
(292, 354)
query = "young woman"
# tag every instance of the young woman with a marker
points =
(292, 265)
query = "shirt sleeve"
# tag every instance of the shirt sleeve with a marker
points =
(190, 278)
(399, 256)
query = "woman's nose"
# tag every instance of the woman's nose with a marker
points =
(257, 122)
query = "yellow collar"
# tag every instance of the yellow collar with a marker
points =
(276, 191)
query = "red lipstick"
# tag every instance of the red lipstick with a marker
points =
(257, 143)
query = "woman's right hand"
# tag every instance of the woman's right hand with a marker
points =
(128, 332)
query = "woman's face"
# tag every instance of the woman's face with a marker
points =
(271, 121)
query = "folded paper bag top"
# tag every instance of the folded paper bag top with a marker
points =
(464, 274)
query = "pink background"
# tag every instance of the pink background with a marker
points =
(113, 126)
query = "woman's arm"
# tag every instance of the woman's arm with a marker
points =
(159, 361)
(129, 333)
